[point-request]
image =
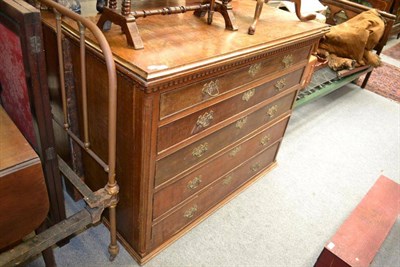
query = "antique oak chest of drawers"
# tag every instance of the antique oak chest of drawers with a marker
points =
(201, 114)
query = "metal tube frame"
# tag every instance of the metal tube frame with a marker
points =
(111, 188)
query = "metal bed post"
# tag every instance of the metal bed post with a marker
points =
(106, 197)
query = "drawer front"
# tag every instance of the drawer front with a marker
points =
(189, 96)
(172, 224)
(189, 156)
(205, 118)
(175, 193)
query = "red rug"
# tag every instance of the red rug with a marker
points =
(385, 81)
(393, 52)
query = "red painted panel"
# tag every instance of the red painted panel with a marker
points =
(362, 234)
(14, 93)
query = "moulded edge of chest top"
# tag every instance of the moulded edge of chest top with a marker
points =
(222, 68)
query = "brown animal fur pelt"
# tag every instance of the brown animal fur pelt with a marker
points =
(339, 63)
(356, 38)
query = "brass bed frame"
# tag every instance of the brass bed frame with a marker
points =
(106, 197)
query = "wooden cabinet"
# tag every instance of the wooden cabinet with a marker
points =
(201, 114)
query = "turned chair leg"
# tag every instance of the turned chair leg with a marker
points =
(364, 83)
(259, 7)
(297, 4)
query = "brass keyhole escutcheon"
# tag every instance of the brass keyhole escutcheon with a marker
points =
(227, 180)
(211, 88)
(280, 84)
(265, 139)
(234, 151)
(204, 120)
(254, 69)
(193, 184)
(272, 111)
(240, 123)
(287, 61)
(200, 150)
(249, 94)
(256, 167)
(190, 212)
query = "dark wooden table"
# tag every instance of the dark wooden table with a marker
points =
(23, 200)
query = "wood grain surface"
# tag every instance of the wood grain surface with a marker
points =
(23, 200)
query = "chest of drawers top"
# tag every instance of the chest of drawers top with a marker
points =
(176, 45)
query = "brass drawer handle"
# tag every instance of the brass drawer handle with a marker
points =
(193, 184)
(254, 69)
(256, 167)
(272, 111)
(200, 150)
(204, 120)
(190, 212)
(240, 123)
(265, 139)
(280, 84)
(235, 151)
(211, 88)
(249, 94)
(287, 61)
(227, 180)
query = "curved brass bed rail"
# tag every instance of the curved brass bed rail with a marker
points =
(111, 187)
